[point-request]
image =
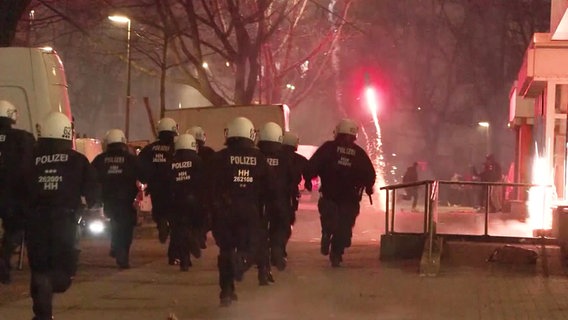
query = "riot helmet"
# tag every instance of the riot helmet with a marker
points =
(197, 132)
(56, 126)
(8, 110)
(291, 139)
(271, 131)
(167, 124)
(346, 126)
(185, 141)
(240, 127)
(115, 136)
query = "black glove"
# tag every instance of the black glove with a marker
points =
(369, 190)
(308, 185)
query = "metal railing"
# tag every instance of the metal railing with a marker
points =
(431, 202)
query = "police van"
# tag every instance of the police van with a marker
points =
(33, 79)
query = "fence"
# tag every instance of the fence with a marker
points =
(472, 210)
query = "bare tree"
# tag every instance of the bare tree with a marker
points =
(447, 61)
(11, 11)
(241, 52)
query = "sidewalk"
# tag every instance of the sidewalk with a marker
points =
(364, 288)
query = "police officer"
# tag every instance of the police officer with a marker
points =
(61, 177)
(290, 142)
(205, 153)
(345, 171)
(187, 175)
(16, 163)
(276, 207)
(156, 161)
(240, 176)
(117, 171)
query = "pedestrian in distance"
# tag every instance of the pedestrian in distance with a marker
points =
(205, 153)
(345, 171)
(16, 164)
(290, 142)
(275, 209)
(410, 176)
(491, 172)
(60, 178)
(240, 182)
(156, 159)
(118, 172)
(187, 181)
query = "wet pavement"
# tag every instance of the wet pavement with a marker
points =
(364, 287)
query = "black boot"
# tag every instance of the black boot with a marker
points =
(325, 243)
(264, 276)
(194, 247)
(277, 258)
(335, 259)
(227, 296)
(240, 265)
(163, 231)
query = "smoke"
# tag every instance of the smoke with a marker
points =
(335, 50)
(374, 146)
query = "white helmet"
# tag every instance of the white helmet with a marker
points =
(8, 110)
(240, 127)
(167, 124)
(291, 139)
(271, 132)
(346, 126)
(185, 141)
(115, 136)
(56, 126)
(197, 132)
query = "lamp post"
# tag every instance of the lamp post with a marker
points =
(485, 125)
(124, 19)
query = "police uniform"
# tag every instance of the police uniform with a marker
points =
(345, 171)
(117, 171)
(206, 154)
(276, 207)
(187, 180)
(156, 160)
(298, 163)
(16, 155)
(61, 177)
(240, 181)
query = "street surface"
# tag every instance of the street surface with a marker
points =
(363, 288)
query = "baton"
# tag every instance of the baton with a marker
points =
(21, 255)
(370, 199)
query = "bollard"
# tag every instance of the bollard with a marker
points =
(560, 228)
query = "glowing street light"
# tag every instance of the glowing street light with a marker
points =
(485, 125)
(127, 21)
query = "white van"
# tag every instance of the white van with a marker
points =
(33, 79)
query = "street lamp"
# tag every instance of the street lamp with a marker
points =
(485, 125)
(122, 20)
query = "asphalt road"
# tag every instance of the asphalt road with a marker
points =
(363, 288)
